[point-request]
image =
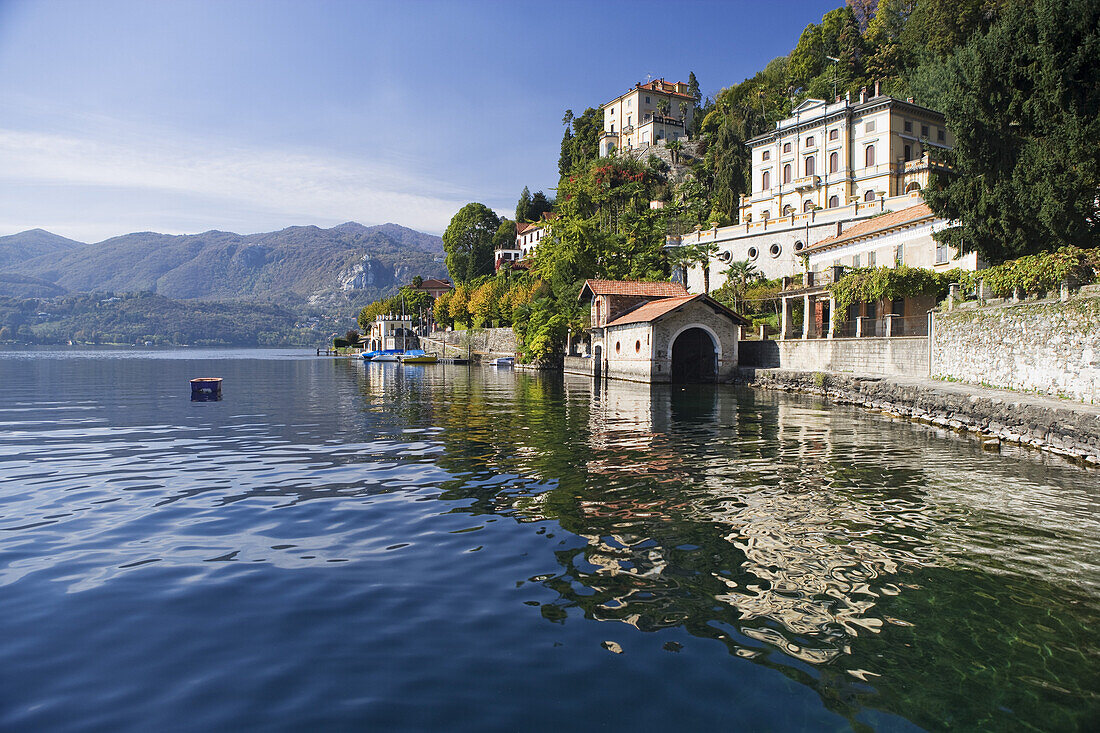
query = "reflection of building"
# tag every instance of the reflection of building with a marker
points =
(658, 110)
(900, 237)
(821, 171)
(654, 332)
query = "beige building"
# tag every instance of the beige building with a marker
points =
(648, 113)
(827, 156)
(902, 237)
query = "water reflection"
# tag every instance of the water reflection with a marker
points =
(861, 556)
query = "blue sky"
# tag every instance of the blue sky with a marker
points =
(249, 116)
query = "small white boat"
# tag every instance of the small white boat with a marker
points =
(386, 357)
(503, 361)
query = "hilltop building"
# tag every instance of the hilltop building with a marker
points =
(436, 287)
(528, 236)
(821, 171)
(648, 113)
(658, 332)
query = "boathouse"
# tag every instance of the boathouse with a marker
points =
(658, 332)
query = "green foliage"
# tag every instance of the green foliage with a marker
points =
(1040, 272)
(523, 206)
(1023, 102)
(876, 283)
(581, 142)
(468, 242)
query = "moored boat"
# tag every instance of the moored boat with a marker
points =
(418, 356)
(503, 361)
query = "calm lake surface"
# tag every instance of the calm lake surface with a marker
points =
(375, 547)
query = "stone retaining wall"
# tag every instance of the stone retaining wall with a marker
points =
(1049, 346)
(900, 355)
(490, 341)
(1071, 430)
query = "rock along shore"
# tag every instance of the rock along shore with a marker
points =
(1058, 426)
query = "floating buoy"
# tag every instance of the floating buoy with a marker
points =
(206, 389)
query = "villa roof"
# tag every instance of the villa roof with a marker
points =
(657, 309)
(522, 227)
(877, 225)
(433, 283)
(632, 287)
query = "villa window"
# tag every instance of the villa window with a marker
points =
(899, 258)
(834, 201)
(869, 156)
(810, 141)
(788, 209)
(647, 100)
(869, 196)
(766, 214)
(833, 134)
(766, 180)
(834, 162)
(908, 125)
(629, 120)
(808, 206)
(786, 147)
(941, 136)
(942, 254)
(924, 130)
(855, 261)
(908, 152)
(766, 155)
(870, 259)
(809, 165)
(787, 173)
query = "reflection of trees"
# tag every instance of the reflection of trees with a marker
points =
(769, 524)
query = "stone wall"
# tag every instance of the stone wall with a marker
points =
(490, 341)
(900, 355)
(1064, 428)
(1049, 346)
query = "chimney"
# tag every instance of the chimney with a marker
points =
(862, 95)
(877, 87)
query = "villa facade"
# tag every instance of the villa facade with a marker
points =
(656, 111)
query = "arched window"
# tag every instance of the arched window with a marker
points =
(834, 201)
(766, 214)
(869, 156)
(787, 209)
(787, 173)
(834, 162)
(766, 180)
(809, 165)
(807, 205)
(869, 196)
(914, 186)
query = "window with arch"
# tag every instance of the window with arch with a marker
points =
(809, 165)
(810, 141)
(766, 214)
(869, 196)
(869, 156)
(788, 209)
(766, 180)
(637, 347)
(834, 201)
(786, 147)
(787, 173)
(834, 162)
(766, 155)
(807, 205)
(834, 134)
(914, 186)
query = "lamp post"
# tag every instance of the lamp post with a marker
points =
(835, 61)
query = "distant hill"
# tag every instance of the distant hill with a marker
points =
(16, 249)
(349, 263)
(25, 286)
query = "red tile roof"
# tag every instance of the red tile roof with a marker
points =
(433, 283)
(523, 226)
(649, 312)
(633, 287)
(893, 220)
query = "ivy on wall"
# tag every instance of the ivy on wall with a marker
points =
(870, 284)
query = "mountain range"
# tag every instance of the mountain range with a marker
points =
(303, 265)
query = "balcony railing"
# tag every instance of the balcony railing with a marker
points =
(806, 182)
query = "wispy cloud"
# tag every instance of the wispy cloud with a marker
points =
(234, 183)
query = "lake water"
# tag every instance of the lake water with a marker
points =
(343, 546)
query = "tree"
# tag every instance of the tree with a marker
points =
(417, 281)
(505, 236)
(693, 86)
(1023, 102)
(674, 147)
(523, 207)
(540, 205)
(441, 310)
(807, 59)
(739, 275)
(459, 306)
(468, 242)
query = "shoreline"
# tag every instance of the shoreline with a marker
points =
(1067, 429)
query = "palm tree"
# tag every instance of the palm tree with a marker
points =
(674, 147)
(741, 273)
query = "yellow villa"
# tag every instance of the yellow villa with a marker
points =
(648, 113)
